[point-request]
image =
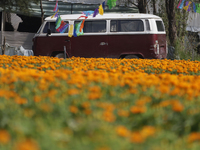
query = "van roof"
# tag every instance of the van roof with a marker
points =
(107, 16)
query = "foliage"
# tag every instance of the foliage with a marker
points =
(98, 104)
(23, 6)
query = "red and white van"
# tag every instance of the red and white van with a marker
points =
(108, 36)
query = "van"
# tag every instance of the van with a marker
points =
(111, 35)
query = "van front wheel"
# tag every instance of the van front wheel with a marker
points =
(60, 55)
(131, 56)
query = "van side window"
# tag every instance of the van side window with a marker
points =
(52, 26)
(94, 26)
(160, 26)
(126, 26)
(147, 25)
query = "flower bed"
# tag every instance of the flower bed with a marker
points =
(98, 104)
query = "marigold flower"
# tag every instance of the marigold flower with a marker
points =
(85, 104)
(122, 131)
(27, 144)
(73, 91)
(87, 111)
(177, 106)
(123, 113)
(20, 100)
(136, 137)
(148, 131)
(93, 96)
(195, 136)
(108, 116)
(37, 99)
(73, 109)
(138, 109)
(4, 136)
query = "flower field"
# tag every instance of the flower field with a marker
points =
(99, 104)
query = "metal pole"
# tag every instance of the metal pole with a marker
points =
(2, 29)
(71, 8)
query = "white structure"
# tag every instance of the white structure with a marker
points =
(193, 22)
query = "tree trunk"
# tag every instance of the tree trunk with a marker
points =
(154, 7)
(170, 8)
(42, 12)
(142, 6)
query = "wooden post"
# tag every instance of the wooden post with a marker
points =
(4, 45)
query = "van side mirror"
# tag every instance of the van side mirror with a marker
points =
(48, 32)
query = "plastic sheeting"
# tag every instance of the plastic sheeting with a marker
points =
(20, 51)
(193, 22)
(17, 39)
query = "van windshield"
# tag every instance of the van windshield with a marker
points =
(126, 26)
(52, 26)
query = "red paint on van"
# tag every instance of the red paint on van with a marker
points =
(144, 44)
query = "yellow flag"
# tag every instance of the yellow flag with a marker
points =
(70, 32)
(55, 13)
(101, 11)
(186, 7)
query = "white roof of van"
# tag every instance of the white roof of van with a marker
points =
(107, 16)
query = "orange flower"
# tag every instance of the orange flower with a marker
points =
(195, 136)
(20, 100)
(142, 101)
(177, 106)
(165, 103)
(87, 111)
(136, 137)
(138, 109)
(93, 96)
(122, 131)
(37, 99)
(123, 113)
(73, 109)
(148, 131)
(28, 144)
(85, 105)
(73, 92)
(4, 137)
(109, 116)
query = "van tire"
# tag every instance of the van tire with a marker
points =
(60, 55)
(131, 56)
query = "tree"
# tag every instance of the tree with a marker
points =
(23, 6)
(172, 30)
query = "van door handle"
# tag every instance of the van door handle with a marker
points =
(67, 40)
(103, 43)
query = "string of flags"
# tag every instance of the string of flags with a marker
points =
(188, 6)
(77, 29)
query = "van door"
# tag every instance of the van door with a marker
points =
(50, 44)
(93, 43)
